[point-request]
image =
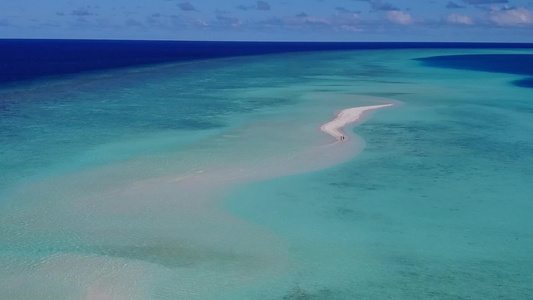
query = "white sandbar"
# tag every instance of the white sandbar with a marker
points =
(345, 117)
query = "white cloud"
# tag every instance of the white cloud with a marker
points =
(186, 6)
(338, 22)
(478, 2)
(201, 23)
(299, 21)
(512, 17)
(82, 12)
(263, 5)
(228, 21)
(350, 28)
(459, 19)
(399, 17)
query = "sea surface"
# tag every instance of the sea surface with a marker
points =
(205, 176)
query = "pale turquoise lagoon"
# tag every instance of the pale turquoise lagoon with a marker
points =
(211, 180)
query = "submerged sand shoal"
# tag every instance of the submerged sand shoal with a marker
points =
(171, 225)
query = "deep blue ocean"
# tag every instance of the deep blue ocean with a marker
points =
(520, 64)
(29, 59)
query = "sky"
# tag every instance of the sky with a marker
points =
(271, 20)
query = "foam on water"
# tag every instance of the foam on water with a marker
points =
(213, 181)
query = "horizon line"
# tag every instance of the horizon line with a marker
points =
(270, 41)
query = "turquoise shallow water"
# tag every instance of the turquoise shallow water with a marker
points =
(437, 206)
(211, 180)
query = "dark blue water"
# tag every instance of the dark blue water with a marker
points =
(29, 59)
(520, 64)
(528, 82)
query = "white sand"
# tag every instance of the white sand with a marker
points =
(345, 117)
